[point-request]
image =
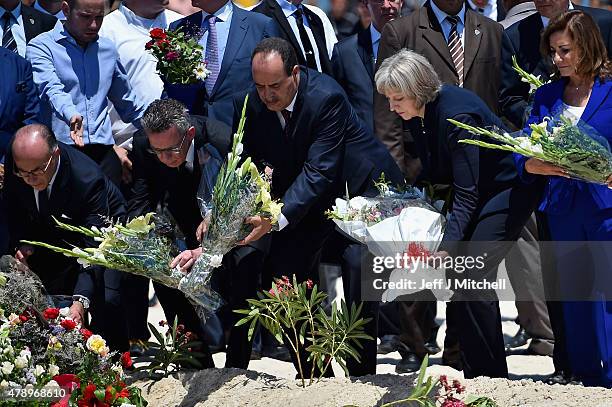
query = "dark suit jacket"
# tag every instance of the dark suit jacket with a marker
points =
(353, 69)
(325, 147)
(18, 96)
(559, 192)
(273, 10)
(476, 174)
(421, 32)
(154, 181)
(36, 22)
(246, 31)
(81, 195)
(523, 40)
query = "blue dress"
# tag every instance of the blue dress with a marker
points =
(581, 212)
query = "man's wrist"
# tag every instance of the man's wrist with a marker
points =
(82, 299)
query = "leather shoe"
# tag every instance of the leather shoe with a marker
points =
(388, 344)
(410, 363)
(432, 347)
(563, 378)
(520, 339)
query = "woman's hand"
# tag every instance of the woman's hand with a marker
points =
(539, 167)
(186, 259)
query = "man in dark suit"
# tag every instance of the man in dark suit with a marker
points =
(301, 125)
(176, 155)
(50, 179)
(33, 22)
(308, 30)
(353, 59)
(230, 35)
(523, 40)
(423, 32)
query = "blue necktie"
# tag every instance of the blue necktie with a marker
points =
(212, 53)
(8, 40)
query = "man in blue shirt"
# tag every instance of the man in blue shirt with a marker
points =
(77, 73)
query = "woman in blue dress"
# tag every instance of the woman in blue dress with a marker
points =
(579, 212)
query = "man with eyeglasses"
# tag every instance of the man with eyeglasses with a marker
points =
(46, 179)
(173, 155)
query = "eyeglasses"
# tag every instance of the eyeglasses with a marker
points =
(35, 172)
(171, 150)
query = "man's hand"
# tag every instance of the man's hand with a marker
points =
(126, 164)
(23, 253)
(535, 166)
(201, 230)
(76, 130)
(186, 259)
(77, 312)
(261, 226)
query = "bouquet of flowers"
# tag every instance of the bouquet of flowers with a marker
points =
(534, 81)
(239, 191)
(141, 247)
(584, 154)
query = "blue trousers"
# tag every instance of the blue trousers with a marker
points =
(586, 272)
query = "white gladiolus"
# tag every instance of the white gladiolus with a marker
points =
(239, 148)
(39, 370)
(53, 371)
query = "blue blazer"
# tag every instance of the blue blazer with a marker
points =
(353, 68)
(559, 192)
(18, 96)
(246, 31)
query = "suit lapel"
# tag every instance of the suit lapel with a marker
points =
(238, 29)
(472, 34)
(432, 34)
(299, 102)
(31, 25)
(365, 51)
(192, 24)
(319, 34)
(599, 94)
(282, 21)
(61, 186)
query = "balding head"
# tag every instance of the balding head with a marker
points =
(35, 152)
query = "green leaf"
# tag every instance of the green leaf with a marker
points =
(99, 393)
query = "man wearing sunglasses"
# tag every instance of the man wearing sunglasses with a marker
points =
(45, 179)
(175, 158)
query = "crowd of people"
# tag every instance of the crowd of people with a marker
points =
(335, 101)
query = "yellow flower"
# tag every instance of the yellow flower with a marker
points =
(274, 209)
(141, 224)
(97, 344)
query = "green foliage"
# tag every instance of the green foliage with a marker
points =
(294, 314)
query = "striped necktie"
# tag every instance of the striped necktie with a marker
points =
(456, 49)
(212, 53)
(8, 41)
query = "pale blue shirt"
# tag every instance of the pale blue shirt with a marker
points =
(59, 15)
(75, 80)
(446, 25)
(16, 28)
(223, 23)
(375, 36)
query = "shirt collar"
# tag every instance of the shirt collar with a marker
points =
(441, 15)
(545, 20)
(287, 7)
(292, 104)
(59, 33)
(190, 156)
(50, 186)
(16, 11)
(59, 15)
(222, 14)
(374, 34)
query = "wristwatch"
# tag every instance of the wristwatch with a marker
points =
(82, 300)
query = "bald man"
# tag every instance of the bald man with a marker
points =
(51, 179)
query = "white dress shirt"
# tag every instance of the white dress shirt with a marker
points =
(289, 10)
(16, 28)
(545, 20)
(446, 25)
(282, 220)
(490, 10)
(50, 186)
(375, 36)
(222, 24)
(59, 15)
(130, 33)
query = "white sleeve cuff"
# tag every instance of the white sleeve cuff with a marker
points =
(282, 221)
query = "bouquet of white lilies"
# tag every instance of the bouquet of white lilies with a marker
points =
(577, 149)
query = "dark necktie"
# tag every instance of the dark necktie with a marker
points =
(311, 62)
(287, 116)
(212, 53)
(456, 49)
(8, 40)
(43, 203)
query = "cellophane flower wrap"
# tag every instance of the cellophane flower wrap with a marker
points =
(141, 246)
(238, 191)
(391, 224)
(577, 148)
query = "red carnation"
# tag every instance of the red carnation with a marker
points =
(51, 313)
(86, 333)
(126, 360)
(158, 33)
(68, 324)
(23, 318)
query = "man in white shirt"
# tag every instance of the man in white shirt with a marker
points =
(51, 7)
(128, 27)
(307, 28)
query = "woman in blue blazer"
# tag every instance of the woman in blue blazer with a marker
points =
(579, 211)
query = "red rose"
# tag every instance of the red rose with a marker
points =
(171, 56)
(126, 360)
(162, 43)
(68, 324)
(158, 33)
(51, 313)
(23, 318)
(86, 333)
(88, 393)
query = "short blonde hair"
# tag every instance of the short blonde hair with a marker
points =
(410, 74)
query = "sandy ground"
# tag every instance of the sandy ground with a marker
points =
(269, 382)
